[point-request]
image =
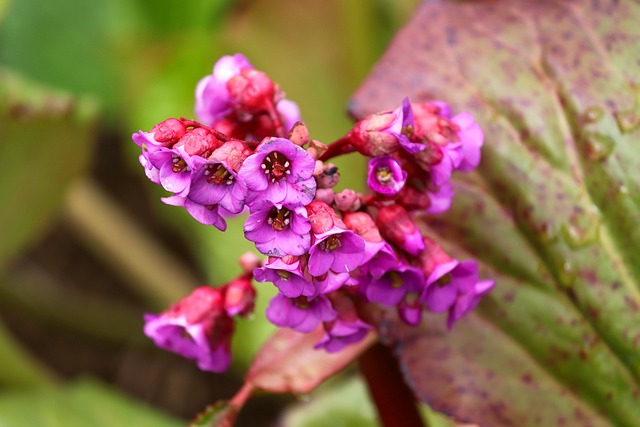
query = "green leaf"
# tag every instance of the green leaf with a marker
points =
(85, 403)
(219, 414)
(551, 214)
(45, 139)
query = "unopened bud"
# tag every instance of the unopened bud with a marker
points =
(397, 227)
(199, 142)
(347, 200)
(252, 90)
(233, 153)
(325, 195)
(414, 199)
(329, 177)
(374, 135)
(363, 225)
(432, 256)
(322, 217)
(169, 131)
(248, 262)
(240, 297)
(299, 134)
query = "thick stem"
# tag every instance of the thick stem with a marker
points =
(278, 127)
(393, 399)
(338, 148)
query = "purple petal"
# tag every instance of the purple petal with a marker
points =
(207, 215)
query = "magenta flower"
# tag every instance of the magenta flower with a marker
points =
(338, 249)
(454, 286)
(280, 172)
(386, 176)
(452, 157)
(341, 333)
(278, 230)
(288, 278)
(197, 328)
(213, 100)
(390, 288)
(214, 183)
(204, 214)
(174, 167)
(331, 281)
(440, 200)
(472, 138)
(379, 258)
(300, 314)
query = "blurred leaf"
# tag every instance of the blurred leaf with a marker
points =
(551, 215)
(19, 369)
(289, 363)
(62, 43)
(45, 139)
(85, 403)
(220, 414)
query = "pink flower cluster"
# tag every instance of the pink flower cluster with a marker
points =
(328, 252)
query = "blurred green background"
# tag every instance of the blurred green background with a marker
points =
(86, 246)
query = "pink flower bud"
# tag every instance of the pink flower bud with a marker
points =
(347, 200)
(432, 256)
(169, 131)
(325, 195)
(233, 153)
(299, 134)
(414, 199)
(376, 135)
(199, 142)
(329, 177)
(252, 90)
(249, 261)
(323, 218)
(397, 227)
(240, 296)
(363, 225)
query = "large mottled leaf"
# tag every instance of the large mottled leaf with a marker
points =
(85, 403)
(551, 214)
(45, 139)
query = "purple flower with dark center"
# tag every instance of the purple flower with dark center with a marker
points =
(175, 169)
(300, 314)
(386, 176)
(441, 198)
(341, 333)
(410, 308)
(339, 250)
(288, 278)
(197, 328)
(454, 286)
(214, 183)
(278, 230)
(471, 136)
(280, 172)
(391, 288)
(213, 100)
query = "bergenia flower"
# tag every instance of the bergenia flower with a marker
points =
(288, 278)
(440, 199)
(300, 314)
(471, 136)
(213, 100)
(341, 333)
(280, 172)
(386, 176)
(331, 281)
(278, 229)
(338, 249)
(390, 288)
(454, 287)
(214, 183)
(197, 328)
(204, 214)
(174, 167)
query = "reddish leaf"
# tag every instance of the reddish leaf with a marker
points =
(551, 215)
(288, 363)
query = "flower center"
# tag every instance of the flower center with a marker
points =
(218, 174)
(276, 165)
(384, 175)
(331, 243)
(444, 280)
(179, 165)
(284, 274)
(301, 302)
(279, 218)
(396, 280)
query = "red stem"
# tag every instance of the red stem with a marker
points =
(278, 128)
(338, 148)
(394, 400)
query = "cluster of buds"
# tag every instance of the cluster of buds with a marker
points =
(327, 252)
